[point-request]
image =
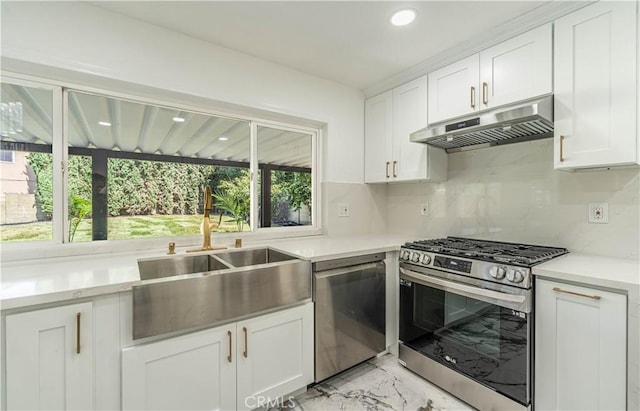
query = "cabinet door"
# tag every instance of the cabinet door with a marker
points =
(595, 86)
(409, 115)
(275, 355)
(377, 134)
(580, 355)
(453, 90)
(517, 69)
(191, 372)
(50, 359)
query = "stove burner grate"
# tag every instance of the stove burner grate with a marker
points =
(511, 253)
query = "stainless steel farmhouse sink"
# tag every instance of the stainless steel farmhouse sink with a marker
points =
(187, 291)
(254, 256)
(185, 264)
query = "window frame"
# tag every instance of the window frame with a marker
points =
(60, 245)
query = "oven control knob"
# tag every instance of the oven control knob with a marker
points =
(415, 257)
(497, 272)
(404, 255)
(515, 276)
(425, 259)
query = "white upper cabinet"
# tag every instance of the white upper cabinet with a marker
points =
(517, 69)
(378, 120)
(595, 71)
(514, 70)
(390, 118)
(453, 90)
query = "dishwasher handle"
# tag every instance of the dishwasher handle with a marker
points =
(350, 269)
(347, 261)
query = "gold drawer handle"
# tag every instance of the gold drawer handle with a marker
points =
(78, 333)
(561, 148)
(485, 93)
(473, 97)
(229, 356)
(395, 169)
(246, 346)
(387, 169)
(593, 297)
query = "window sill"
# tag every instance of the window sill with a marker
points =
(11, 252)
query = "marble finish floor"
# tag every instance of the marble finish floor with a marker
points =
(378, 384)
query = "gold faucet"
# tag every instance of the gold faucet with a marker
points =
(206, 226)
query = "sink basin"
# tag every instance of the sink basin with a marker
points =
(188, 291)
(184, 264)
(243, 258)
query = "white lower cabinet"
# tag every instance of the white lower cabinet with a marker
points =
(50, 359)
(580, 348)
(275, 355)
(236, 366)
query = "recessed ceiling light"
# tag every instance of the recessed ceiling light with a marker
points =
(178, 119)
(223, 138)
(403, 17)
(104, 123)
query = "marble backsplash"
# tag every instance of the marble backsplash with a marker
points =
(367, 208)
(512, 193)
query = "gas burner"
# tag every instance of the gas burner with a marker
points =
(492, 261)
(493, 251)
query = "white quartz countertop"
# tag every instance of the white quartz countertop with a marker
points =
(592, 270)
(40, 281)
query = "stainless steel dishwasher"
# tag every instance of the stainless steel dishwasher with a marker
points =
(349, 296)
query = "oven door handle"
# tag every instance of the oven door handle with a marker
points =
(515, 302)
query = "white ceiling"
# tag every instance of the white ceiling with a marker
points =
(351, 42)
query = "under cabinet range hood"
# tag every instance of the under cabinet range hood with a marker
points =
(526, 121)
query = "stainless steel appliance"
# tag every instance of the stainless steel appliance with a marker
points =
(466, 317)
(530, 120)
(349, 296)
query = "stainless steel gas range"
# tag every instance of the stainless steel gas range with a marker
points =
(466, 318)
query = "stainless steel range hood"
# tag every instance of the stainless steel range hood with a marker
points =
(531, 120)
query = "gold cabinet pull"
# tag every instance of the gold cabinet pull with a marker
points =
(387, 169)
(78, 333)
(230, 352)
(593, 297)
(485, 93)
(561, 148)
(395, 169)
(246, 346)
(473, 97)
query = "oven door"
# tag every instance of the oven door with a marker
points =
(483, 334)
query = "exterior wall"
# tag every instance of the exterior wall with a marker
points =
(17, 191)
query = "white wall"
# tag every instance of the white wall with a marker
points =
(98, 44)
(512, 193)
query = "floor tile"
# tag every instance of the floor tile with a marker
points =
(378, 384)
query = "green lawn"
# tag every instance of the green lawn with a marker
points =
(119, 228)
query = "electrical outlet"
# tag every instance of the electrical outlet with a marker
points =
(424, 209)
(599, 213)
(343, 210)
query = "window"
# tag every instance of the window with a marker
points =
(285, 164)
(26, 167)
(136, 170)
(6, 156)
(139, 170)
